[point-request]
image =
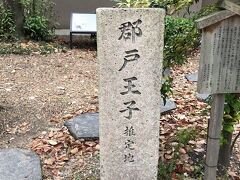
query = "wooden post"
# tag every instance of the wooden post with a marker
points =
(71, 41)
(214, 133)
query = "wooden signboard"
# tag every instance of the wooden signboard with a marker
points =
(219, 70)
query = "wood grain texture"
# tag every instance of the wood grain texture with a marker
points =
(213, 18)
(232, 5)
(219, 68)
(214, 133)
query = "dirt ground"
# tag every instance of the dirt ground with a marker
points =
(38, 93)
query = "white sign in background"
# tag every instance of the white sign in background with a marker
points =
(83, 22)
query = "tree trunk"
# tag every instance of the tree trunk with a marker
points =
(18, 15)
(225, 154)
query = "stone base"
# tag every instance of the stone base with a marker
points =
(19, 164)
(202, 97)
(86, 126)
(169, 106)
(192, 77)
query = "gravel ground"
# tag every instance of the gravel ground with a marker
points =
(37, 93)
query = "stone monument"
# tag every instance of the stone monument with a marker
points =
(130, 50)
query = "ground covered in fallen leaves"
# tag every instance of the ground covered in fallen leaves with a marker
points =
(39, 92)
(184, 131)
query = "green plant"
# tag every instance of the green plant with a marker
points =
(39, 19)
(206, 11)
(231, 112)
(185, 135)
(230, 118)
(41, 8)
(30, 48)
(181, 36)
(166, 88)
(7, 26)
(170, 5)
(198, 171)
(165, 170)
(36, 27)
(133, 3)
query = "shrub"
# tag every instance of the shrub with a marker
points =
(133, 3)
(7, 27)
(181, 36)
(36, 27)
(30, 47)
(165, 170)
(206, 11)
(231, 115)
(39, 19)
(185, 135)
(171, 6)
(38, 22)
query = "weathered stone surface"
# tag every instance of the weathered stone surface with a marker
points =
(169, 106)
(165, 75)
(202, 97)
(130, 44)
(192, 77)
(167, 72)
(84, 126)
(19, 164)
